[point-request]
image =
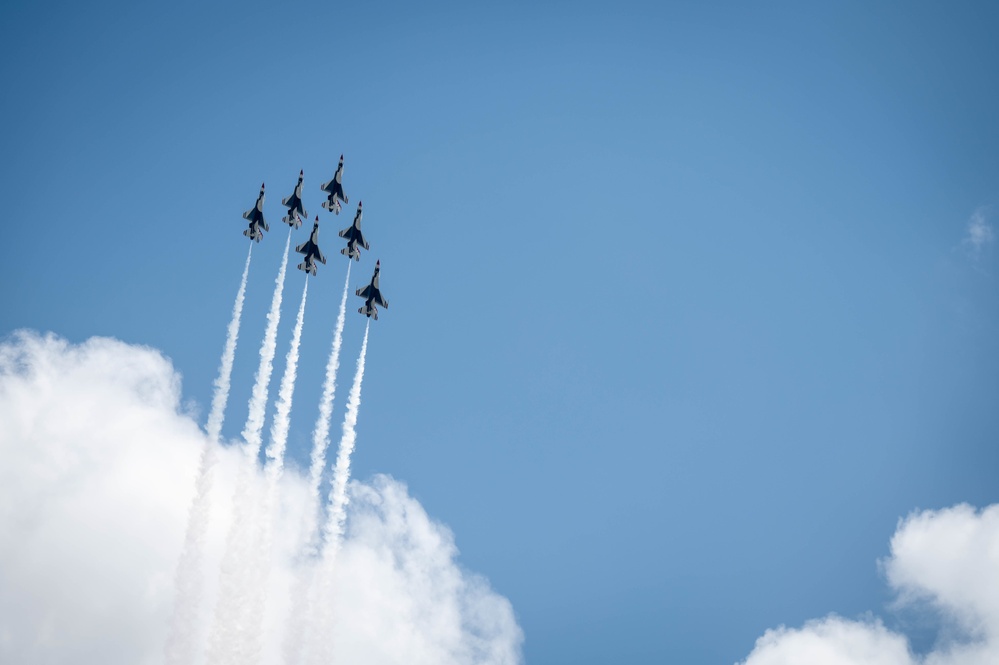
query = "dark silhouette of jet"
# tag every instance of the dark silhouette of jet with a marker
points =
(255, 215)
(372, 295)
(311, 250)
(334, 190)
(355, 238)
(296, 213)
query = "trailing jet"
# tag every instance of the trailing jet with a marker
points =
(354, 237)
(372, 295)
(296, 213)
(334, 188)
(256, 217)
(311, 250)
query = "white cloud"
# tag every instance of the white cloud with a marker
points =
(979, 231)
(947, 560)
(97, 475)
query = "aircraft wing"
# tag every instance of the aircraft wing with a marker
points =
(304, 247)
(361, 241)
(379, 300)
(320, 256)
(364, 291)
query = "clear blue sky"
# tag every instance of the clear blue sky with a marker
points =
(683, 316)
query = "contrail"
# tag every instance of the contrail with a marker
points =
(320, 442)
(322, 647)
(233, 638)
(180, 645)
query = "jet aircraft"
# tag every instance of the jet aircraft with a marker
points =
(256, 217)
(296, 212)
(311, 250)
(372, 295)
(334, 189)
(354, 237)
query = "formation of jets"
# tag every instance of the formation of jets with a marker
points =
(310, 248)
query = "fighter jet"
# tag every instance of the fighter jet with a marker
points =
(354, 237)
(296, 213)
(372, 295)
(334, 188)
(311, 250)
(256, 217)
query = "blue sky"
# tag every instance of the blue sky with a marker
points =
(683, 313)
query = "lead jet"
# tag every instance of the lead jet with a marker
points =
(256, 217)
(334, 189)
(311, 250)
(354, 237)
(296, 213)
(372, 295)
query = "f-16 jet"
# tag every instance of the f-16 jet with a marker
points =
(311, 250)
(255, 215)
(354, 237)
(372, 295)
(296, 213)
(334, 189)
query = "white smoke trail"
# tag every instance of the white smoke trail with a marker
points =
(234, 639)
(180, 645)
(320, 442)
(282, 420)
(320, 641)
(321, 432)
(257, 589)
(333, 531)
(258, 399)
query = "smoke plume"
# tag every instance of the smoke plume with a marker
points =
(182, 639)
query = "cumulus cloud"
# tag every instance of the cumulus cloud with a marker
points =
(944, 560)
(979, 231)
(98, 471)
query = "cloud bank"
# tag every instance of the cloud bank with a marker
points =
(946, 561)
(99, 462)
